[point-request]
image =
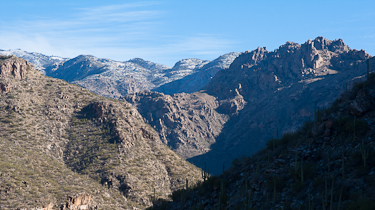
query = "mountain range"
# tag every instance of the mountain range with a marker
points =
(114, 79)
(261, 92)
(57, 135)
(240, 99)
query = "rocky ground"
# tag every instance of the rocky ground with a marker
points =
(59, 140)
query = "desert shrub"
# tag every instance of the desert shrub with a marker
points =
(286, 139)
(347, 127)
(361, 204)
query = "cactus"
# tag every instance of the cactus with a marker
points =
(315, 117)
(302, 171)
(325, 198)
(204, 173)
(342, 164)
(339, 204)
(354, 128)
(187, 184)
(221, 196)
(309, 131)
(331, 203)
(274, 192)
(295, 162)
(328, 163)
(364, 152)
(368, 68)
(277, 138)
(246, 199)
(310, 202)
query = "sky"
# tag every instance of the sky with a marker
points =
(166, 31)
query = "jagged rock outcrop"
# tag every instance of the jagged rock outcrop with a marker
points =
(79, 202)
(13, 67)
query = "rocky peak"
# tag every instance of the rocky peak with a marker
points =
(287, 48)
(11, 66)
(250, 58)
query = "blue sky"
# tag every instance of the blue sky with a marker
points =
(167, 31)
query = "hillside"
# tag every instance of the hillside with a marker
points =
(59, 140)
(259, 92)
(326, 164)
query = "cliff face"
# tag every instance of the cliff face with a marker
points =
(59, 140)
(262, 91)
(188, 123)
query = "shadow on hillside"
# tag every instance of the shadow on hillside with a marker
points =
(248, 132)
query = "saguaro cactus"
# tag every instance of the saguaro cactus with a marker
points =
(204, 173)
(364, 152)
(368, 68)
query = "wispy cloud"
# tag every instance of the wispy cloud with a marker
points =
(87, 27)
(120, 13)
(118, 32)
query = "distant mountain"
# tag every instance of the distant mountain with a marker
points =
(39, 61)
(114, 79)
(259, 93)
(64, 147)
(200, 78)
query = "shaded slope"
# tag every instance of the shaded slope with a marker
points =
(326, 164)
(262, 91)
